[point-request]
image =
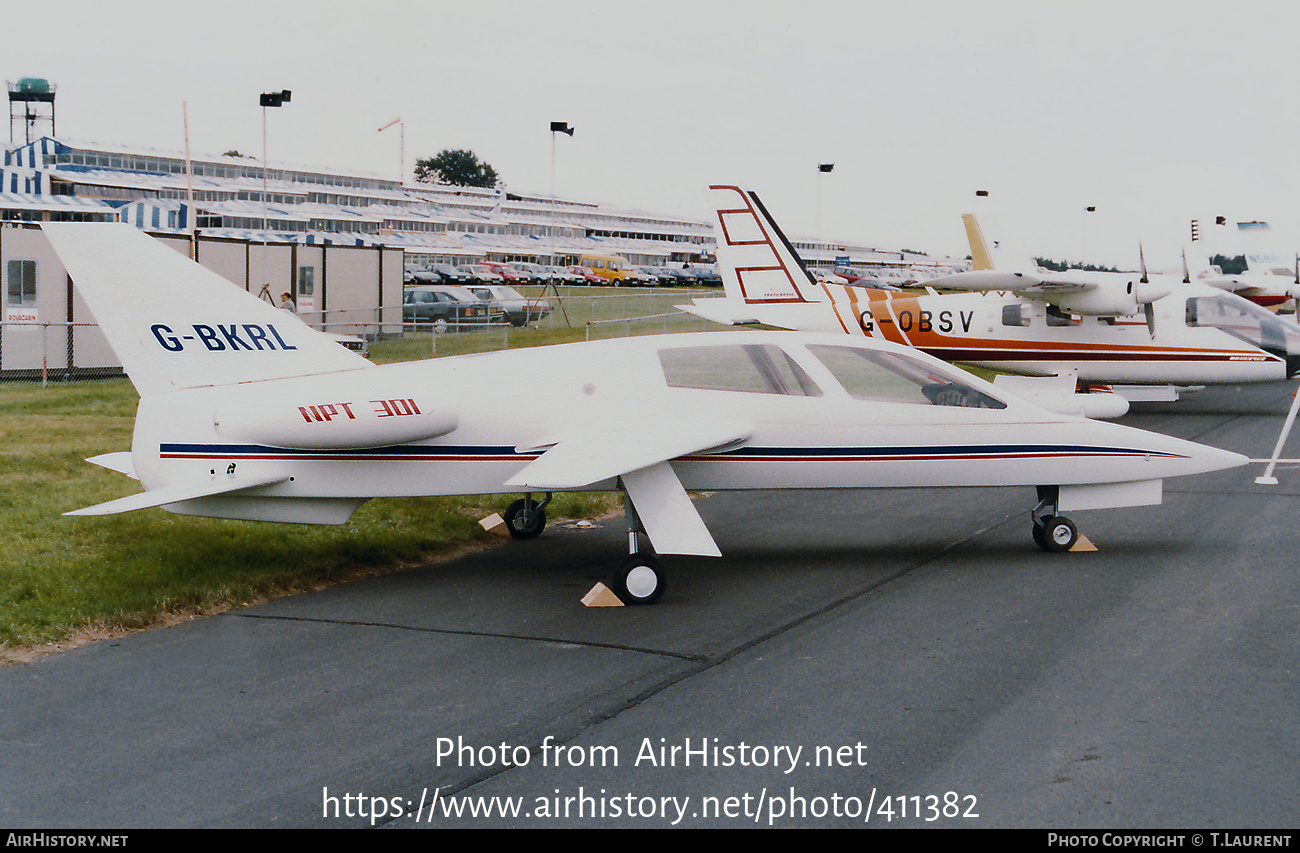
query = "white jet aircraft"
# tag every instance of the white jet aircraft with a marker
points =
(1106, 328)
(246, 412)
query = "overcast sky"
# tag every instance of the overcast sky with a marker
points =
(1155, 112)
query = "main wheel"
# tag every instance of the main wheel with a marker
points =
(1058, 533)
(639, 579)
(1039, 540)
(524, 523)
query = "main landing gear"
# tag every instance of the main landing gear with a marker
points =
(639, 577)
(526, 519)
(1052, 532)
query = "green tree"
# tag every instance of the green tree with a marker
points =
(459, 167)
(1230, 266)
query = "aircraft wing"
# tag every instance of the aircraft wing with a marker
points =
(1051, 291)
(729, 312)
(1020, 283)
(639, 454)
(590, 455)
(176, 494)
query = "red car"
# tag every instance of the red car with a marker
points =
(588, 275)
(509, 273)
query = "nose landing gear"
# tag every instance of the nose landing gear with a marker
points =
(1052, 532)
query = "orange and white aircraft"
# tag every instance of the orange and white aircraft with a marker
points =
(1147, 335)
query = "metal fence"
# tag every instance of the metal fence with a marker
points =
(42, 354)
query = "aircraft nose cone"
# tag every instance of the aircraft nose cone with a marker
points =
(1190, 457)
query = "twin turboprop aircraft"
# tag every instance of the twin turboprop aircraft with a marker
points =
(245, 412)
(1112, 328)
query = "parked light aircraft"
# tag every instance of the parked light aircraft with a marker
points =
(1266, 281)
(1118, 329)
(245, 412)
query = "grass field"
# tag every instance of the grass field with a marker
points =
(61, 576)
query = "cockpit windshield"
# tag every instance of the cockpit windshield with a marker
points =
(1249, 322)
(874, 375)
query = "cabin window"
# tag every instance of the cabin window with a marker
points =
(20, 284)
(753, 368)
(888, 377)
(1014, 315)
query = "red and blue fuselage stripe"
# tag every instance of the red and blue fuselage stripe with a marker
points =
(499, 453)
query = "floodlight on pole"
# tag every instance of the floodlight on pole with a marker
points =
(268, 99)
(557, 127)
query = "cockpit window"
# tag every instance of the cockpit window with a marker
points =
(1246, 321)
(873, 375)
(755, 368)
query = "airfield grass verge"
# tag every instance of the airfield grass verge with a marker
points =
(63, 576)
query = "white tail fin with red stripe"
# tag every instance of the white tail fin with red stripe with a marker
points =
(757, 262)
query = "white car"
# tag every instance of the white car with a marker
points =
(518, 308)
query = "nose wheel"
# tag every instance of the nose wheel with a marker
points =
(1052, 532)
(1055, 533)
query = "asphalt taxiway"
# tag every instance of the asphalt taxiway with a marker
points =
(879, 658)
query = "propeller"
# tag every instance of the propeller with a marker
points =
(1146, 292)
(1148, 306)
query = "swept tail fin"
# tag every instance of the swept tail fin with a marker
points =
(174, 324)
(981, 259)
(758, 264)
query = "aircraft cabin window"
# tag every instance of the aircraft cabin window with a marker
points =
(753, 368)
(1014, 315)
(887, 377)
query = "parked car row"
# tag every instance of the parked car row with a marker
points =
(523, 272)
(444, 306)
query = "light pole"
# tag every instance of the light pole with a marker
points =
(1083, 256)
(268, 99)
(556, 127)
(401, 166)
